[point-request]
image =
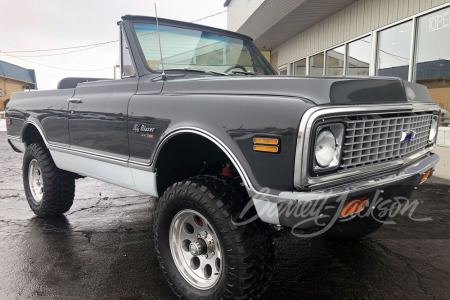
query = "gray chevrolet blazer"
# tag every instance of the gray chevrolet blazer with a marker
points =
(235, 153)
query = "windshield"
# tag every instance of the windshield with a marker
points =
(199, 50)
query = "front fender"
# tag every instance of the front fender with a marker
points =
(231, 122)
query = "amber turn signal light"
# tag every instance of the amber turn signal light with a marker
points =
(272, 149)
(265, 141)
(425, 176)
(266, 145)
(354, 206)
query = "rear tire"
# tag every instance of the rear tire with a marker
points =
(246, 252)
(50, 191)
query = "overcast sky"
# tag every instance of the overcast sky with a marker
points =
(46, 24)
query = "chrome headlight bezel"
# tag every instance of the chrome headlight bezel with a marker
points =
(433, 130)
(337, 131)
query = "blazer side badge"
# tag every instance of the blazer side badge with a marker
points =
(142, 128)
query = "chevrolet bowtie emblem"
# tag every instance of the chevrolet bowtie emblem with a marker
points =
(407, 136)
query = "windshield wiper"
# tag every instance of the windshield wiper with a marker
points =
(243, 72)
(199, 71)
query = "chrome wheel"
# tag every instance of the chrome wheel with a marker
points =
(35, 180)
(195, 249)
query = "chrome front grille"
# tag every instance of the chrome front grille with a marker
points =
(374, 139)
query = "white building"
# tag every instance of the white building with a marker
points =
(403, 38)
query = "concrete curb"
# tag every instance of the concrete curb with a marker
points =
(443, 167)
(2, 125)
(443, 138)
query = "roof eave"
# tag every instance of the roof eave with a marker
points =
(273, 23)
(15, 79)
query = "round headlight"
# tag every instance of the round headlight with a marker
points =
(433, 130)
(325, 148)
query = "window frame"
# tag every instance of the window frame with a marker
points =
(371, 60)
(306, 66)
(377, 48)
(122, 35)
(283, 68)
(251, 46)
(344, 69)
(308, 62)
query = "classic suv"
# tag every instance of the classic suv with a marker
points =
(200, 119)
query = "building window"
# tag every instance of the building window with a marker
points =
(432, 63)
(359, 55)
(316, 64)
(394, 51)
(283, 70)
(300, 67)
(336, 61)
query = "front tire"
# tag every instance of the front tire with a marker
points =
(50, 191)
(203, 255)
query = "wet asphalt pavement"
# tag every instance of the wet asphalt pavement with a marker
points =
(103, 249)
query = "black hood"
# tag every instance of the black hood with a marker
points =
(320, 90)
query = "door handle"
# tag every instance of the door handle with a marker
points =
(74, 100)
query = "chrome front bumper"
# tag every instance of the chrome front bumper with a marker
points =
(272, 208)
